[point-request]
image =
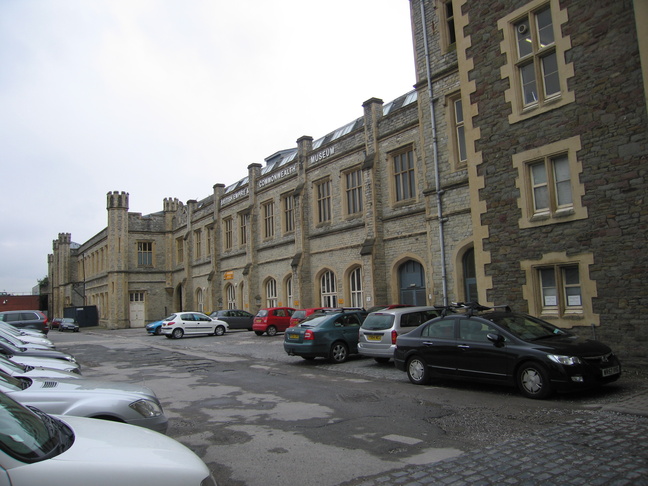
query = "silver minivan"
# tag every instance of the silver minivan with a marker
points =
(380, 329)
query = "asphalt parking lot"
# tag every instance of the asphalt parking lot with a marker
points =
(260, 417)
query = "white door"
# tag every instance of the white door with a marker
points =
(137, 314)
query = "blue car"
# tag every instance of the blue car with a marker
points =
(154, 328)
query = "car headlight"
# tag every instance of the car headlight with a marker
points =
(71, 359)
(147, 408)
(564, 360)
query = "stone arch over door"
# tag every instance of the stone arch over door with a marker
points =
(411, 283)
(177, 298)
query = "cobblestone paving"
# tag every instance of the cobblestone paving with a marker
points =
(611, 450)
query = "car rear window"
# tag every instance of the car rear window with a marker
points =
(299, 314)
(262, 313)
(378, 321)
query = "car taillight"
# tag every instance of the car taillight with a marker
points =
(309, 335)
(168, 323)
(394, 336)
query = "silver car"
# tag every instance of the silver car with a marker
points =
(122, 402)
(377, 337)
(51, 363)
(20, 370)
(36, 448)
(25, 335)
(6, 338)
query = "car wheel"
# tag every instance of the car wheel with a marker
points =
(382, 360)
(339, 352)
(60, 329)
(177, 333)
(76, 330)
(533, 381)
(219, 331)
(258, 333)
(158, 331)
(272, 331)
(417, 371)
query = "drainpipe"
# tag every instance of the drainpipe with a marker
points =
(435, 150)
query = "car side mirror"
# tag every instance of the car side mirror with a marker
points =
(495, 338)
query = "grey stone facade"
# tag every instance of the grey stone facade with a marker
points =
(463, 227)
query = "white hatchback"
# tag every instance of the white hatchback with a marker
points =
(192, 323)
(37, 448)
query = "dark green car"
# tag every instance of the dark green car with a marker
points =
(332, 335)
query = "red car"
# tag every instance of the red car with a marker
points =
(272, 320)
(301, 314)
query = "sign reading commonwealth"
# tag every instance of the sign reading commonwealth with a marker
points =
(278, 175)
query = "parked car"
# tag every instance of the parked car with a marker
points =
(54, 323)
(192, 323)
(68, 324)
(21, 370)
(301, 314)
(377, 336)
(39, 362)
(332, 335)
(6, 338)
(272, 320)
(120, 402)
(37, 448)
(235, 318)
(28, 319)
(12, 352)
(24, 335)
(154, 328)
(507, 348)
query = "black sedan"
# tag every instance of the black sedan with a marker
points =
(235, 318)
(505, 348)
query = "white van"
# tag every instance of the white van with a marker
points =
(380, 329)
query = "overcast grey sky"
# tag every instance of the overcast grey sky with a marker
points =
(165, 98)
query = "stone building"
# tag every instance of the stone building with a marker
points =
(513, 173)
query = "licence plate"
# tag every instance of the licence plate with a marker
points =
(610, 371)
(293, 336)
(374, 337)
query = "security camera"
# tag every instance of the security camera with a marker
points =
(522, 29)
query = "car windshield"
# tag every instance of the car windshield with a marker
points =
(528, 328)
(10, 367)
(378, 321)
(31, 436)
(67, 319)
(9, 383)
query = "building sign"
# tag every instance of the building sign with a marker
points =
(228, 275)
(288, 171)
(233, 197)
(321, 155)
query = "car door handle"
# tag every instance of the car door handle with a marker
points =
(428, 343)
(463, 346)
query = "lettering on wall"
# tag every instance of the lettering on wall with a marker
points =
(321, 155)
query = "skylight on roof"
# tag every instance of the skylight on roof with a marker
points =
(343, 131)
(318, 143)
(410, 98)
(387, 108)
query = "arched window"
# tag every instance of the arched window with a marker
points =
(271, 293)
(200, 300)
(231, 297)
(289, 291)
(355, 286)
(328, 290)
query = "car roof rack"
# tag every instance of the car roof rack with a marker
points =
(472, 308)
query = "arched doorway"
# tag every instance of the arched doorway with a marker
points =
(469, 276)
(178, 299)
(411, 281)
